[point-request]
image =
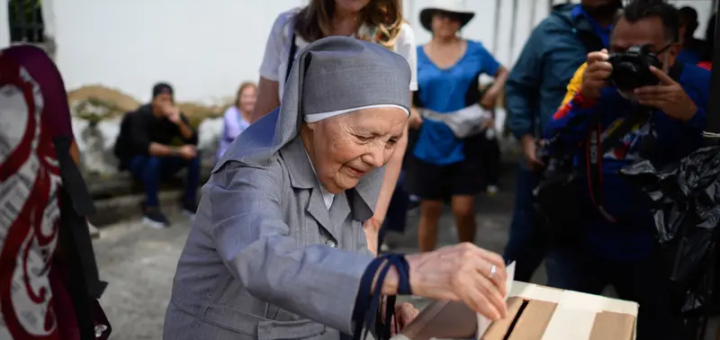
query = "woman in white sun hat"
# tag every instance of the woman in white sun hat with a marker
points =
(444, 162)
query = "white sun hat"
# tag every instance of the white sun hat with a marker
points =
(455, 7)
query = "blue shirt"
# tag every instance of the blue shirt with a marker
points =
(602, 31)
(444, 91)
(691, 54)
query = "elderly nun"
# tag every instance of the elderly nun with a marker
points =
(277, 249)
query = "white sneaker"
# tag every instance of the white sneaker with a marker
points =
(94, 232)
(156, 220)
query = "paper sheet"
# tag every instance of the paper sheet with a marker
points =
(483, 322)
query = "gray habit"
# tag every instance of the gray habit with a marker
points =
(265, 258)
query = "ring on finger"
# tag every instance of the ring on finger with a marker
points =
(493, 269)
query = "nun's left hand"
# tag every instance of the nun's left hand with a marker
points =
(405, 313)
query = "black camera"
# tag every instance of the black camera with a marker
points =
(631, 69)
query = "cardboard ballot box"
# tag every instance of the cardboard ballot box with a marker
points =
(542, 313)
(535, 313)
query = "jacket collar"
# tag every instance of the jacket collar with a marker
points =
(361, 200)
(301, 171)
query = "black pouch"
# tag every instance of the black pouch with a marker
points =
(556, 203)
(556, 196)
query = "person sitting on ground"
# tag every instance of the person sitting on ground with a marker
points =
(145, 148)
(237, 117)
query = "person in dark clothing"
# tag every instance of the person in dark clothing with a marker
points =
(489, 151)
(706, 60)
(617, 246)
(692, 48)
(534, 91)
(144, 147)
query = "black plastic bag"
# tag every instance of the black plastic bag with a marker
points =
(685, 199)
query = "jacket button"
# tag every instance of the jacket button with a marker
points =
(331, 243)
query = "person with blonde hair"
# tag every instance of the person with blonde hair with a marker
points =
(237, 117)
(376, 21)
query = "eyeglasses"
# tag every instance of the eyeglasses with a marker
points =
(647, 48)
(662, 50)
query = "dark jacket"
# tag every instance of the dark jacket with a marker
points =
(537, 83)
(631, 236)
(140, 128)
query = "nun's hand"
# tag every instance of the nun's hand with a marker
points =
(461, 272)
(405, 313)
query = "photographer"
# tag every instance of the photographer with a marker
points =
(626, 111)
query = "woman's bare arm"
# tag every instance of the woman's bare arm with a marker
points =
(501, 76)
(392, 172)
(267, 99)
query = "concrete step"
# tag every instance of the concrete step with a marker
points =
(119, 198)
(122, 208)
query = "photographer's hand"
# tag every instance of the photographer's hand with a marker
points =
(668, 97)
(596, 74)
(530, 150)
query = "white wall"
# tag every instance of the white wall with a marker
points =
(206, 48)
(704, 9)
(483, 26)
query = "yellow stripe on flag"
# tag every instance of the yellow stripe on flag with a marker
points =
(574, 85)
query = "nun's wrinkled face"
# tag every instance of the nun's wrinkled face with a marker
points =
(345, 148)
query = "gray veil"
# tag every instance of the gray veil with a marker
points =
(330, 74)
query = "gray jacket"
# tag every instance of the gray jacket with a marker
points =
(265, 259)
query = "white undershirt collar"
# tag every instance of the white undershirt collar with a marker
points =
(328, 197)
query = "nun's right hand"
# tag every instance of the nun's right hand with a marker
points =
(461, 272)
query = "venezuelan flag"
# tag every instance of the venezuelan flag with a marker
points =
(574, 85)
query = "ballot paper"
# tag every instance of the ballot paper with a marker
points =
(483, 322)
(450, 320)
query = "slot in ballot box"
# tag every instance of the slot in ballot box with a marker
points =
(534, 313)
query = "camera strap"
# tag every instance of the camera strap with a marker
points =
(597, 146)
